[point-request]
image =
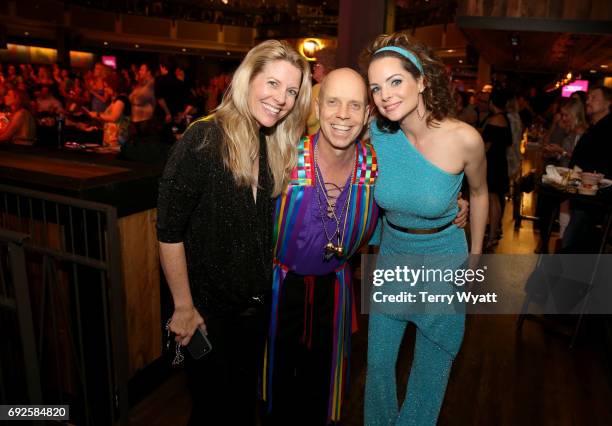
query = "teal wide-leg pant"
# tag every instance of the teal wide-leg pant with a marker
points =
(429, 375)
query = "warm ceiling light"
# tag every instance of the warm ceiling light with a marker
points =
(450, 51)
(569, 76)
(225, 1)
(106, 43)
(460, 61)
(227, 53)
(136, 46)
(593, 71)
(184, 50)
(309, 48)
(604, 66)
(26, 33)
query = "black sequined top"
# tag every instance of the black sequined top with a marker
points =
(227, 236)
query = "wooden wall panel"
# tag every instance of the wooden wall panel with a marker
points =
(142, 25)
(497, 8)
(140, 270)
(432, 35)
(50, 12)
(513, 8)
(238, 35)
(197, 31)
(602, 9)
(555, 9)
(93, 19)
(454, 36)
(577, 9)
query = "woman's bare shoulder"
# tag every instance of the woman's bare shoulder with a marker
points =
(462, 133)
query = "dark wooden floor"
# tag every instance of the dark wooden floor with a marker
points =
(498, 378)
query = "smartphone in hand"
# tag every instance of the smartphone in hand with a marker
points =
(199, 345)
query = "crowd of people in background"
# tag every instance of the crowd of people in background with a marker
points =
(559, 125)
(140, 101)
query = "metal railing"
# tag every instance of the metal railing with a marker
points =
(61, 297)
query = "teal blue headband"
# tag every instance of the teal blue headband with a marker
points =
(405, 53)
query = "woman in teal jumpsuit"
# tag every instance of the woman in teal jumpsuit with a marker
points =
(423, 155)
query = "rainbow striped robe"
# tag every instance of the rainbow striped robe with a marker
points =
(362, 219)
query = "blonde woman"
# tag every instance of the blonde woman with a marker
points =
(573, 121)
(216, 203)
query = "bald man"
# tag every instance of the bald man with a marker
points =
(326, 214)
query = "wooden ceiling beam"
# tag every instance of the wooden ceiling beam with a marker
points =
(535, 24)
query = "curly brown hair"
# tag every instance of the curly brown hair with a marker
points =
(437, 96)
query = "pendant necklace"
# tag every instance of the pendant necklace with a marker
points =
(331, 249)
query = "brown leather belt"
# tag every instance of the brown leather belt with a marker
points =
(418, 231)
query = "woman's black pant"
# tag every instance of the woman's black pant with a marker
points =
(224, 383)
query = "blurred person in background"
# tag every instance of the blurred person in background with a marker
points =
(326, 62)
(573, 121)
(46, 103)
(497, 136)
(21, 128)
(3, 89)
(44, 79)
(116, 117)
(64, 83)
(513, 152)
(127, 77)
(12, 77)
(466, 111)
(525, 111)
(27, 74)
(556, 132)
(593, 152)
(143, 103)
(168, 90)
(77, 97)
(581, 95)
(173, 97)
(99, 98)
(482, 104)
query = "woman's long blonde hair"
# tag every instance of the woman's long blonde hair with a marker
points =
(575, 108)
(241, 130)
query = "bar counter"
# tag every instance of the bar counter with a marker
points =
(131, 188)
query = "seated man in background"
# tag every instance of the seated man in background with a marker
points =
(593, 153)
